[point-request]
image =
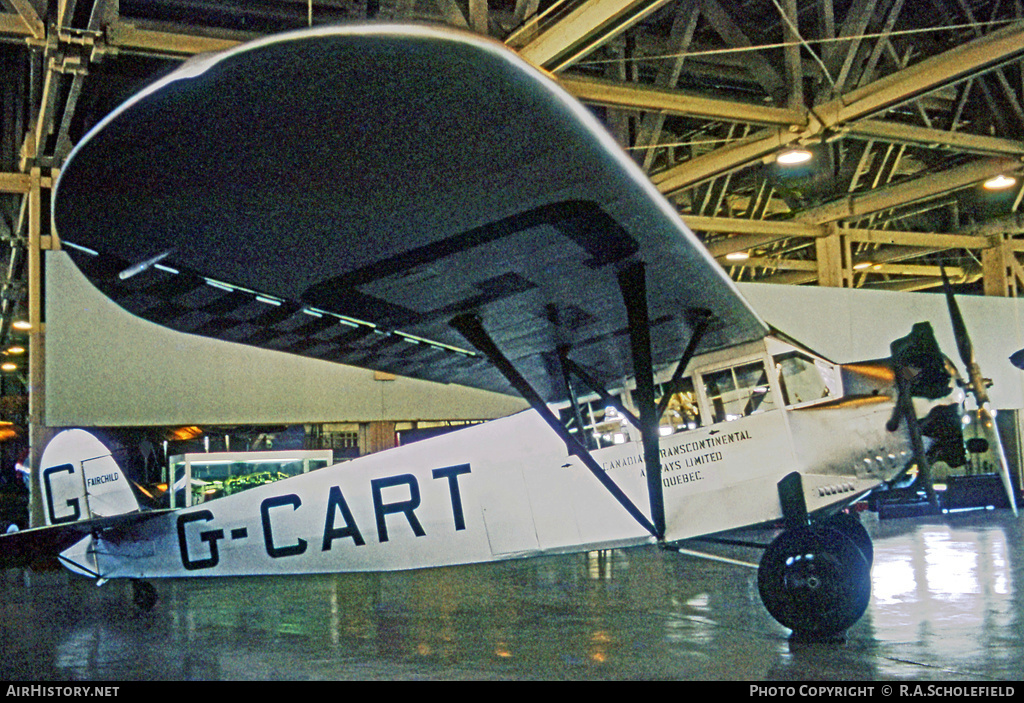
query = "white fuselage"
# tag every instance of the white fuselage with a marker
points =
(508, 488)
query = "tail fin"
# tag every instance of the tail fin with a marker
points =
(80, 480)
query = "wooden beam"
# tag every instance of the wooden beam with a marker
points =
(757, 65)
(1000, 271)
(859, 205)
(124, 35)
(36, 389)
(1015, 268)
(675, 102)
(915, 270)
(898, 133)
(15, 182)
(755, 233)
(29, 18)
(829, 254)
(883, 94)
(772, 262)
(780, 228)
(669, 101)
(21, 182)
(13, 24)
(929, 240)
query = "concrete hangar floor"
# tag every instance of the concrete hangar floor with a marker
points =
(947, 605)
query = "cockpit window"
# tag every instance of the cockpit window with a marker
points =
(801, 378)
(738, 392)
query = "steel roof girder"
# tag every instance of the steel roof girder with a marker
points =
(590, 24)
(655, 100)
(912, 82)
(859, 205)
(958, 63)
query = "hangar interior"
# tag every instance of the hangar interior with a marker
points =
(834, 156)
(862, 144)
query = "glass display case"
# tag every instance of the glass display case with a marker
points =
(203, 476)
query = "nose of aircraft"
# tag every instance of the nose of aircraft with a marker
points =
(928, 385)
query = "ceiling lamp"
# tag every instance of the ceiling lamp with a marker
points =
(22, 325)
(1000, 182)
(8, 366)
(737, 256)
(792, 157)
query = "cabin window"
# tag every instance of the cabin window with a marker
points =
(739, 391)
(801, 378)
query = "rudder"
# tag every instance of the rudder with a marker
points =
(80, 480)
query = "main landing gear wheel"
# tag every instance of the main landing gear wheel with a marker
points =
(815, 581)
(143, 595)
(853, 530)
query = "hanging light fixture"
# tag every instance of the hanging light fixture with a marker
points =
(1000, 182)
(792, 157)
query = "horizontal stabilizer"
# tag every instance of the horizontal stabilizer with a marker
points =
(40, 546)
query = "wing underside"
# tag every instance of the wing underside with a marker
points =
(344, 193)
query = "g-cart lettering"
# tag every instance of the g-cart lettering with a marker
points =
(391, 495)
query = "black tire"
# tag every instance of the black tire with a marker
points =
(853, 530)
(143, 595)
(815, 581)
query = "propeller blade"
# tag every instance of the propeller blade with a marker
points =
(985, 415)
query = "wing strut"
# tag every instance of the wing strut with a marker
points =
(570, 390)
(633, 283)
(700, 321)
(470, 326)
(570, 366)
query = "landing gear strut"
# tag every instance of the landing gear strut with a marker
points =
(814, 580)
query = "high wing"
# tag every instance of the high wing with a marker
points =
(345, 192)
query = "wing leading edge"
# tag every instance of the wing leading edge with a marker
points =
(345, 192)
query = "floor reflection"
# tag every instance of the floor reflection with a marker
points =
(946, 605)
(947, 590)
